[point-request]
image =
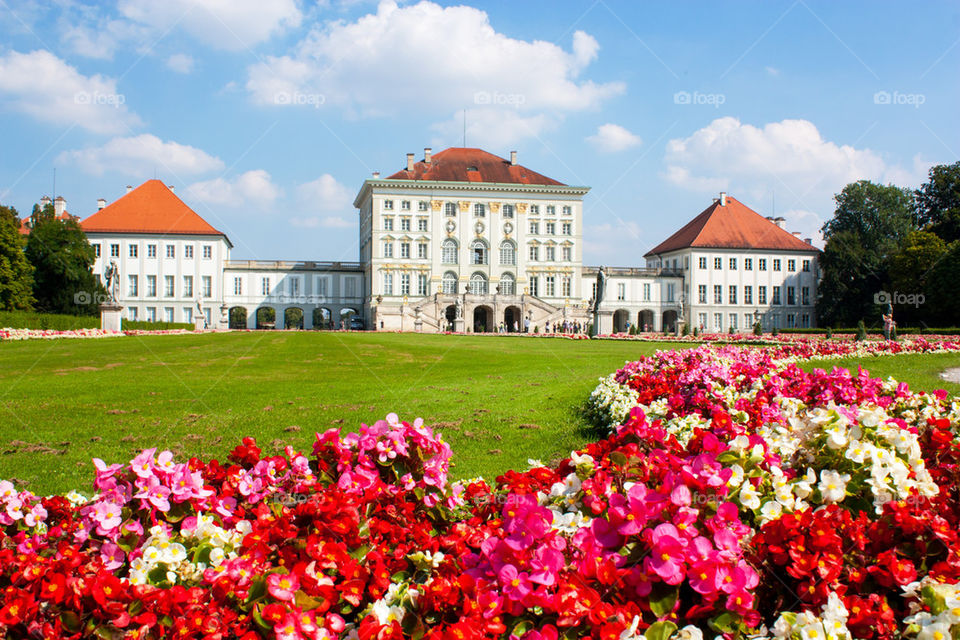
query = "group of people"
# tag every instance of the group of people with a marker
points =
(566, 326)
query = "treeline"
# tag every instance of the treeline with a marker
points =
(49, 270)
(890, 245)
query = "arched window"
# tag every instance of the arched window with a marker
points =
(448, 251)
(478, 284)
(478, 252)
(508, 284)
(449, 283)
(450, 208)
(508, 252)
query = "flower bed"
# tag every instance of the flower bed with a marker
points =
(53, 334)
(735, 495)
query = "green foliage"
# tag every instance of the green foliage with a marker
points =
(775, 331)
(16, 273)
(861, 332)
(869, 226)
(144, 325)
(938, 202)
(909, 270)
(829, 333)
(696, 331)
(942, 303)
(686, 329)
(63, 281)
(757, 328)
(54, 321)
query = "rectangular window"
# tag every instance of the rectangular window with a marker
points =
(791, 320)
(188, 314)
(791, 265)
(404, 224)
(151, 251)
(388, 224)
(133, 250)
(151, 314)
(168, 314)
(422, 250)
(535, 285)
(702, 294)
(565, 287)
(805, 321)
(171, 251)
(733, 321)
(761, 295)
(132, 286)
(404, 249)
(207, 252)
(718, 322)
(479, 210)
(791, 296)
(422, 284)
(551, 210)
(151, 286)
(188, 252)
(806, 265)
(115, 251)
(320, 285)
(762, 264)
(702, 321)
(733, 264)
(703, 262)
(534, 253)
(405, 284)
(567, 210)
(168, 286)
(405, 205)
(387, 249)
(238, 286)
(747, 294)
(646, 292)
(748, 264)
(388, 284)
(551, 228)
(450, 209)
(567, 254)
(551, 286)
(718, 263)
(732, 295)
(133, 314)
(747, 320)
(717, 294)
(551, 254)
(96, 249)
(805, 295)
(534, 227)
(422, 205)
(388, 205)
(621, 291)
(293, 286)
(187, 286)
(508, 211)
(422, 224)
(776, 295)
(776, 264)
(567, 229)
(264, 286)
(350, 287)
(670, 292)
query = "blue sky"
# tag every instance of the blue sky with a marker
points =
(267, 116)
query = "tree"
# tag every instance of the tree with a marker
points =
(16, 274)
(909, 269)
(867, 228)
(938, 202)
(62, 260)
(941, 302)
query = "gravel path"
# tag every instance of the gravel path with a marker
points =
(951, 375)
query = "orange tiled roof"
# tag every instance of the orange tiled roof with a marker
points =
(462, 164)
(150, 208)
(734, 226)
(25, 223)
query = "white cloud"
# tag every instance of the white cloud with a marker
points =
(180, 63)
(253, 188)
(329, 222)
(98, 37)
(140, 155)
(426, 55)
(232, 25)
(45, 87)
(773, 71)
(324, 194)
(490, 128)
(611, 138)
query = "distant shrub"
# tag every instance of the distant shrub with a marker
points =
(54, 321)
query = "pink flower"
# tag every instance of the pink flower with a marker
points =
(35, 516)
(142, 465)
(155, 494)
(546, 564)
(108, 516)
(288, 628)
(112, 556)
(703, 577)
(667, 556)
(515, 585)
(165, 462)
(282, 586)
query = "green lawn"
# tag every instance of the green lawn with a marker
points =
(921, 371)
(498, 401)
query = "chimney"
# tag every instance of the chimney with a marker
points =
(409, 162)
(170, 186)
(808, 240)
(44, 201)
(723, 198)
(427, 154)
(797, 233)
(779, 221)
(101, 203)
(513, 158)
(376, 174)
(129, 188)
(59, 206)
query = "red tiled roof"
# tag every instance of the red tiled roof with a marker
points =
(461, 164)
(150, 208)
(734, 226)
(25, 223)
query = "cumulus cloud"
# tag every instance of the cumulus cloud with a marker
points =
(232, 25)
(180, 63)
(490, 128)
(365, 66)
(611, 138)
(139, 155)
(324, 194)
(254, 188)
(46, 88)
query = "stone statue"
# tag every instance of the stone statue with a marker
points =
(111, 274)
(200, 313)
(601, 285)
(459, 309)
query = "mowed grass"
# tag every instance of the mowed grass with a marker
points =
(920, 371)
(498, 401)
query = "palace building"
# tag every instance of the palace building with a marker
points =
(458, 240)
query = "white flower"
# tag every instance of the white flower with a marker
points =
(935, 631)
(749, 497)
(833, 486)
(837, 437)
(804, 484)
(771, 510)
(689, 632)
(856, 452)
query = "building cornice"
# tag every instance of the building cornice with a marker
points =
(435, 185)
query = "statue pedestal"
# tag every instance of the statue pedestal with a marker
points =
(679, 327)
(224, 322)
(458, 325)
(111, 316)
(199, 323)
(595, 327)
